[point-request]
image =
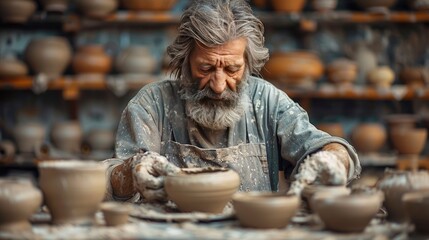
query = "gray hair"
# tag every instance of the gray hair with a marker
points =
(215, 22)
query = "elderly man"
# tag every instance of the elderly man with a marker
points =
(216, 112)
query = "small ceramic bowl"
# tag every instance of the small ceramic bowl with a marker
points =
(310, 191)
(265, 209)
(417, 209)
(205, 190)
(348, 213)
(115, 213)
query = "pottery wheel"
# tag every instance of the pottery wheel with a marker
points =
(169, 213)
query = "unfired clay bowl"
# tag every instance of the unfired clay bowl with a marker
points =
(202, 189)
(115, 213)
(19, 199)
(348, 213)
(73, 189)
(264, 209)
(417, 208)
(310, 191)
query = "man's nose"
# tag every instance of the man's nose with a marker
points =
(218, 82)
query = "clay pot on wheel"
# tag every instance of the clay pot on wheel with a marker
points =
(73, 189)
(19, 199)
(91, 59)
(17, 11)
(202, 189)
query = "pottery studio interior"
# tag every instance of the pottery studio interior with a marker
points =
(214, 119)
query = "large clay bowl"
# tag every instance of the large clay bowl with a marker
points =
(148, 5)
(417, 208)
(72, 189)
(347, 213)
(19, 199)
(409, 141)
(202, 189)
(264, 209)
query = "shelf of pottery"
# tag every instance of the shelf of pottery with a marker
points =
(77, 63)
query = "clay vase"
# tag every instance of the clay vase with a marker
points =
(91, 59)
(29, 135)
(334, 129)
(149, 5)
(55, 5)
(264, 209)
(409, 140)
(395, 184)
(295, 69)
(324, 5)
(375, 5)
(49, 55)
(368, 137)
(347, 213)
(381, 77)
(17, 11)
(67, 136)
(420, 5)
(202, 189)
(19, 199)
(342, 72)
(417, 209)
(290, 6)
(136, 60)
(414, 77)
(115, 213)
(101, 139)
(97, 8)
(72, 189)
(11, 67)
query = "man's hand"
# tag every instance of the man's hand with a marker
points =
(148, 171)
(326, 167)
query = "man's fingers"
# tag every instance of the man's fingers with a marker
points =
(163, 167)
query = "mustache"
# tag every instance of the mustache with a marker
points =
(207, 93)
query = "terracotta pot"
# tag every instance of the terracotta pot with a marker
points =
(395, 184)
(19, 199)
(334, 129)
(55, 5)
(420, 5)
(202, 189)
(369, 137)
(115, 213)
(409, 140)
(67, 136)
(29, 135)
(149, 5)
(375, 4)
(417, 209)
(382, 77)
(91, 59)
(100, 139)
(264, 209)
(348, 213)
(11, 67)
(288, 6)
(136, 59)
(324, 5)
(49, 55)
(72, 189)
(297, 68)
(97, 8)
(17, 11)
(415, 77)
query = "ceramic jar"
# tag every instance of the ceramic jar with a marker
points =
(73, 189)
(290, 6)
(296, 68)
(417, 209)
(381, 77)
(342, 72)
(12, 67)
(324, 5)
(19, 199)
(334, 129)
(368, 137)
(97, 8)
(409, 140)
(91, 59)
(374, 5)
(136, 60)
(101, 139)
(67, 136)
(55, 5)
(17, 11)
(395, 184)
(415, 77)
(149, 5)
(49, 55)
(202, 189)
(29, 135)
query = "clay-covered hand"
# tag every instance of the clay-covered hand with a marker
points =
(326, 167)
(149, 170)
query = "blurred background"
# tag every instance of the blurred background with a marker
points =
(68, 68)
